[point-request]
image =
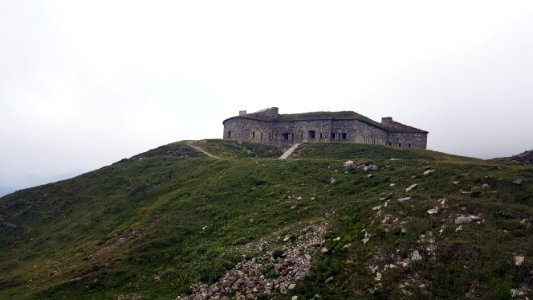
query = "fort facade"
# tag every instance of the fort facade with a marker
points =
(269, 127)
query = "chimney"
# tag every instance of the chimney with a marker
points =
(242, 112)
(386, 120)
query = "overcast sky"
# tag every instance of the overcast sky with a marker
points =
(86, 83)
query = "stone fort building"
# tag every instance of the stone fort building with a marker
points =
(282, 130)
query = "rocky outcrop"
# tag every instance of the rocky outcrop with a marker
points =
(525, 158)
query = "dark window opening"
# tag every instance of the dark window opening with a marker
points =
(409, 145)
(261, 136)
(285, 136)
(302, 136)
(344, 135)
(229, 134)
(390, 144)
(333, 135)
(399, 144)
(276, 136)
(292, 136)
(373, 141)
(321, 135)
(311, 134)
(253, 135)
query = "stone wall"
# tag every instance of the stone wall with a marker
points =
(283, 134)
(242, 129)
(407, 140)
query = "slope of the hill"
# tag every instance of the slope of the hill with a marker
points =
(522, 158)
(174, 223)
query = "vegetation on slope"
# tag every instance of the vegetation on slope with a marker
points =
(155, 226)
(328, 115)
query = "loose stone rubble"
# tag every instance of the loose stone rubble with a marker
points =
(247, 279)
(366, 166)
(461, 219)
(518, 260)
(411, 187)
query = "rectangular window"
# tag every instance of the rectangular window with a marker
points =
(321, 135)
(261, 136)
(229, 134)
(253, 135)
(344, 135)
(333, 135)
(311, 134)
(286, 136)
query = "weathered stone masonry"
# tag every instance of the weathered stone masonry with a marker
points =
(269, 127)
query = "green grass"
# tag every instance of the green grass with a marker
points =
(185, 220)
(234, 149)
(328, 115)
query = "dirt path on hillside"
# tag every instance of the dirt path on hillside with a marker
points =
(289, 152)
(198, 148)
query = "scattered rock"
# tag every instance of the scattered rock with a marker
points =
(347, 246)
(518, 260)
(433, 211)
(376, 207)
(466, 219)
(427, 172)
(404, 199)
(337, 239)
(349, 164)
(324, 250)
(366, 237)
(287, 238)
(485, 186)
(294, 298)
(373, 269)
(292, 286)
(465, 192)
(411, 187)
(459, 228)
(415, 256)
(370, 167)
(517, 181)
(456, 182)
(392, 184)
(369, 176)
(330, 279)
(441, 231)
(332, 181)
(378, 276)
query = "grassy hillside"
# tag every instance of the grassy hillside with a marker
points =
(173, 222)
